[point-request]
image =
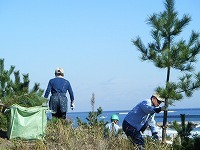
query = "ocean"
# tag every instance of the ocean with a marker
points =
(191, 114)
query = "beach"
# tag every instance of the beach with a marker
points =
(172, 132)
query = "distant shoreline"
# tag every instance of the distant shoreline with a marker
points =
(169, 123)
(171, 109)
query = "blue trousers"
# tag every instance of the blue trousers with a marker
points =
(58, 104)
(132, 133)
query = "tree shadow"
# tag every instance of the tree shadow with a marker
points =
(3, 134)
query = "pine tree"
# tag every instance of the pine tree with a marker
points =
(5, 79)
(184, 132)
(15, 91)
(167, 52)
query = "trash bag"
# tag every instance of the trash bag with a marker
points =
(28, 123)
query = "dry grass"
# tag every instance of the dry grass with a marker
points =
(61, 136)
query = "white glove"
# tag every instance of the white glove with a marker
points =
(164, 108)
(72, 106)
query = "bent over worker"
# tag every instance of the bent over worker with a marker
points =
(141, 116)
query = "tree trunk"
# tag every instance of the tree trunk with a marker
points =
(164, 127)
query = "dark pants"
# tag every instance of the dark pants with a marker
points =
(59, 114)
(132, 133)
(58, 104)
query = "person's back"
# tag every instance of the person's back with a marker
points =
(138, 115)
(58, 87)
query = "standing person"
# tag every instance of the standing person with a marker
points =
(113, 126)
(140, 117)
(58, 87)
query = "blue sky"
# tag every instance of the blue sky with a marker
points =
(91, 41)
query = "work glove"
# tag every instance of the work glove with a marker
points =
(72, 106)
(164, 108)
(157, 109)
(155, 135)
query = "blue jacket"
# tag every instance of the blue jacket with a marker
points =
(142, 113)
(60, 85)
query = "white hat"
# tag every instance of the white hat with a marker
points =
(59, 71)
(158, 97)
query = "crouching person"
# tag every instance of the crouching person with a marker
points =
(112, 128)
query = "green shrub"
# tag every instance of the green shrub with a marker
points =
(3, 120)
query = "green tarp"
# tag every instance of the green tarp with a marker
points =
(27, 123)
